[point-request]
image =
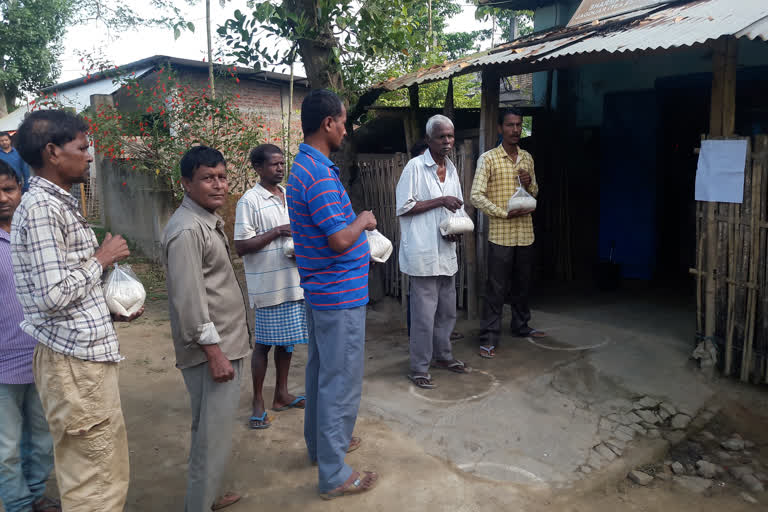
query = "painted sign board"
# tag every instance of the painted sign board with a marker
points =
(591, 10)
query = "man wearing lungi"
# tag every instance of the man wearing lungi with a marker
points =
(262, 228)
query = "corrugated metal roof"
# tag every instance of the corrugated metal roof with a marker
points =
(657, 27)
(683, 25)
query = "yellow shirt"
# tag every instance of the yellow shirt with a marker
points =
(495, 182)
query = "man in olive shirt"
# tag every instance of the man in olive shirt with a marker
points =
(208, 322)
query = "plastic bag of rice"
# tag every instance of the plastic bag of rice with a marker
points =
(124, 292)
(457, 223)
(521, 200)
(381, 247)
(288, 247)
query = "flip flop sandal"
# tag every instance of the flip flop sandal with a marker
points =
(455, 335)
(228, 499)
(422, 381)
(487, 352)
(265, 423)
(293, 405)
(533, 333)
(356, 487)
(454, 366)
(354, 444)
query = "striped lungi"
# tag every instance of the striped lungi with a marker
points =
(283, 325)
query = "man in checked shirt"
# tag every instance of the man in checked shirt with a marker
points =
(510, 234)
(57, 266)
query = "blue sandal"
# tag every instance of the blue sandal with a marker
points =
(263, 422)
(293, 405)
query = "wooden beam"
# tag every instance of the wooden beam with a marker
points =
(489, 109)
(413, 114)
(722, 121)
(448, 108)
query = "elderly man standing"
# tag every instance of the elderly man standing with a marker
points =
(208, 322)
(428, 190)
(510, 235)
(58, 266)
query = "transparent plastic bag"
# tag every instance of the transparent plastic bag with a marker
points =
(521, 200)
(381, 247)
(456, 223)
(288, 247)
(124, 293)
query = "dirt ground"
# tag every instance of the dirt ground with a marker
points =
(270, 467)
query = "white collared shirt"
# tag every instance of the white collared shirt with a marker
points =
(272, 277)
(423, 251)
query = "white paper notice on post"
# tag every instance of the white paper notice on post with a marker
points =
(720, 174)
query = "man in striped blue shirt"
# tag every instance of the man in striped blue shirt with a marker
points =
(332, 256)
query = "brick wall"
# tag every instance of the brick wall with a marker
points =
(262, 100)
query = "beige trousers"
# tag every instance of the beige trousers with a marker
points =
(81, 401)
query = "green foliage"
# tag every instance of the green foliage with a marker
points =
(120, 15)
(363, 37)
(504, 19)
(30, 44)
(165, 119)
(466, 94)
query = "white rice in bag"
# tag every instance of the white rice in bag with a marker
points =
(123, 292)
(381, 247)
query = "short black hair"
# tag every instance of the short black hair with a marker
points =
(418, 148)
(317, 105)
(262, 152)
(7, 170)
(511, 111)
(44, 127)
(200, 156)
(5, 134)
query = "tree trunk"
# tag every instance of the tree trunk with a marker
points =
(317, 55)
(210, 47)
(3, 103)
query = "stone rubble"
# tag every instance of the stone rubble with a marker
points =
(734, 444)
(748, 498)
(677, 468)
(680, 421)
(693, 484)
(707, 469)
(640, 477)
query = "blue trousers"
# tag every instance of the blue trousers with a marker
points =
(334, 383)
(26, 447)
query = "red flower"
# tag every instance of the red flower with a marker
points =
(126, 183)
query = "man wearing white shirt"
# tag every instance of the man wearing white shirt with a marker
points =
(428, 191)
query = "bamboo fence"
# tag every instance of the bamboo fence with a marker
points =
(379, 174)
(739, 270)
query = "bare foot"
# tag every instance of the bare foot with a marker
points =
(288, 401)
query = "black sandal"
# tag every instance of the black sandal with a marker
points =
(422, 381)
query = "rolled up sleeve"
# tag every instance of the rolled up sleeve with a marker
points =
(186, 286)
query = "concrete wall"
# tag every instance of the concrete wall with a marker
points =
(136, 207)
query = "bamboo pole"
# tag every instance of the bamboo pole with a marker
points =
(470, 248)
(83, 206)
(731, 289)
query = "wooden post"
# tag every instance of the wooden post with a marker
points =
(722, 122)
(83, 206)
(413, 114)
(448, 109)
(489, 109)
(470, 244)
(489, 134)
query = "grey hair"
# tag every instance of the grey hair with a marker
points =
(435, 121)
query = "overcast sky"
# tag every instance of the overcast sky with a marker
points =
(131, 46)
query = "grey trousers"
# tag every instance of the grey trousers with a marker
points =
(214, 406)
(334, 384)
(433, 317)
